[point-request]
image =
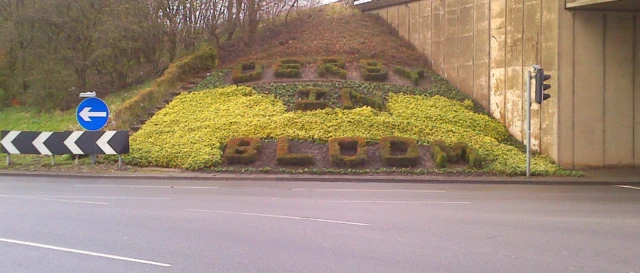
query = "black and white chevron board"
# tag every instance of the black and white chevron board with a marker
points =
(63, 143)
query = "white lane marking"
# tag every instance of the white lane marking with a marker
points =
(54, 199)
(83, 252)
(628, 187)
(365, 190)
(283, 216)
(390, 201)
(145, 186)
(94, 197)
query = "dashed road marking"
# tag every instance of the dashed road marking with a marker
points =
(145, 186)
(54, 199)
(372, 190)
(628, 187)
(284, 217)
(390, 201)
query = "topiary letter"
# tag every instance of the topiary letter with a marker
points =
(408, 148)
(284, 157)
(338, 146)
(242, 150)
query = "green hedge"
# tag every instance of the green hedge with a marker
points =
(242, 150)
(284, 157)
(238, 77)
(332, 65)
(373, 70)
(413, 76)
(288, 68)
(409, 145)
(335, 151)
(311, 99)
(459, 152)
(349, 97)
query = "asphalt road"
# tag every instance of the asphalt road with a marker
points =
(68, 226)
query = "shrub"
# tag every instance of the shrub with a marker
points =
(345, 98)
(373, 70)
(311, 99)
(284, 157)
(242, 150)
(375, 103)
(407, 145)
(335, 66)
(238, 77)
(137, 107)
(338, 145)
(460, 151)
(288, 68)
(413, 76)
(440, 152)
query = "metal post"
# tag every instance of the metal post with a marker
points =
(53, 160)
(93, 159)
(8, 159)
(77, 159)
(528, 95)
(119, 161)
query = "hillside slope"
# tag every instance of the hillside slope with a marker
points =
(331, 30)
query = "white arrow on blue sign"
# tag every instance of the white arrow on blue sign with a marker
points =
(92, 114)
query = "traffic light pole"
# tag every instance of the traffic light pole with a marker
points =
(529, 123)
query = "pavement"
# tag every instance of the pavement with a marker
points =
(593, 177)
(52, 224)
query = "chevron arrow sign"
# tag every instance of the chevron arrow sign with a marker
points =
(62, 143)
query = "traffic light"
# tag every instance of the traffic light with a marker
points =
(541, 86)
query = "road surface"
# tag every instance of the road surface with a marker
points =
(79, 225)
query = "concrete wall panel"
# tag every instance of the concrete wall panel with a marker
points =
(497, 59)
(451, 42)
(427, 29)
(415, 28)
(481, 52)
(392, 15)
(588, 91)
(514, 81)
(465, 47)
(618, 94)
(636, 78)
(531, 54)
(403, 21)
(549, 110)
(437, 40)
(566, 90)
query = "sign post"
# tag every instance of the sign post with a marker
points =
(92, 114)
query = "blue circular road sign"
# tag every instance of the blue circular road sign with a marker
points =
(92, 114)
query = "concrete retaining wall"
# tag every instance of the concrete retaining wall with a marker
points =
(486, 47)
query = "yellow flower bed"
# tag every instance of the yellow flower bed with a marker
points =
(192, 130)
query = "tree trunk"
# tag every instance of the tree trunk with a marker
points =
(235, 21)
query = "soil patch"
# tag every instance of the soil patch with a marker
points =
(331, 30)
